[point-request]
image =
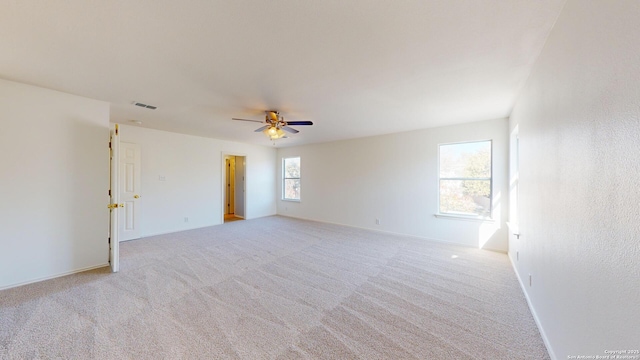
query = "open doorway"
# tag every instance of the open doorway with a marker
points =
(234, 187)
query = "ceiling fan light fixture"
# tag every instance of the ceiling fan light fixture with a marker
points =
(274, 133)
(274, 125)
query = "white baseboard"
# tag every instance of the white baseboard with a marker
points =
(53, 276)
(174, 231)
(545, 339)
(193, 228)
(395, 233)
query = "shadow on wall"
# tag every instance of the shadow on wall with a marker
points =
(488, 230)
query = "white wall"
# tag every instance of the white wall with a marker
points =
(53, 183)
(579, 126)
(394, 178)
(192, 167)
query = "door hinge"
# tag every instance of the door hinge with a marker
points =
(109, 144)
(109, 241)
(109, 192)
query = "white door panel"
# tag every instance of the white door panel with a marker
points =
(130, 194)
(239, 187)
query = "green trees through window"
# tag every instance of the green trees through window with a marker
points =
(465, 178)
(291, 178)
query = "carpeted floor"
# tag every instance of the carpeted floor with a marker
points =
(277, 288)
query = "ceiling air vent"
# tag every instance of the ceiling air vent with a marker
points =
(144, 105)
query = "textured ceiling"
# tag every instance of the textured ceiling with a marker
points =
(356, 68)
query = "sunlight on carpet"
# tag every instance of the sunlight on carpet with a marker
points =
(277, 288)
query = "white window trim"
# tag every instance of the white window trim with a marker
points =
(453, 216)
(464, 217)
(284, 178)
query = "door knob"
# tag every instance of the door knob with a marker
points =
(136, 196)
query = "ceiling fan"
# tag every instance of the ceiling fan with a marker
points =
(276, 127)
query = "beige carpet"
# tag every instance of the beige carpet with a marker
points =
(277, 288)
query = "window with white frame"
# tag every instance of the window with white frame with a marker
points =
(465, 178)
(291, 178)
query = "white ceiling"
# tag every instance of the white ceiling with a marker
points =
(354, 67)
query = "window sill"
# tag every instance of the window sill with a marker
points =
(464, 218)
(291, 200)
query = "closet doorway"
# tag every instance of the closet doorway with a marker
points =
(234, 187)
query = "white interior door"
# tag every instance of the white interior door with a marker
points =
(130, 195)
(114, 246)
(231, 204)
(227, 181)
(239, 188)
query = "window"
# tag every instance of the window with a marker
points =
(465, 179)
(514, 165)
(291, 178)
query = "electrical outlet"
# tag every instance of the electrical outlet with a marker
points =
(186, 219)
(377, 221)
(162, 178)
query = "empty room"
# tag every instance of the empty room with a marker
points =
(320, 180)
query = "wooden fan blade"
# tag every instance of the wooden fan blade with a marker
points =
(258, 121)
(299, 123)
(262, 128)
(288, 129)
